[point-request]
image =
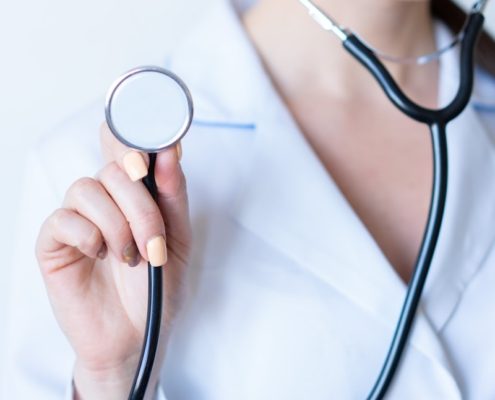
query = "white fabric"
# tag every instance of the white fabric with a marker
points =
(289, 296)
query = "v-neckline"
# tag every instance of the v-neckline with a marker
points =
(317, 228)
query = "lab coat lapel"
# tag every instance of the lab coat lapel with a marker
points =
(285, 196)
(285, 177)
(325, 236)
(291, 202)
(322, 234)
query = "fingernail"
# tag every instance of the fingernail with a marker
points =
(102, 253)
(131, 255)
(178, 147)
(157, 251)
(134, 165)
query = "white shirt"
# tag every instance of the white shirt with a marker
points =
(289, 295)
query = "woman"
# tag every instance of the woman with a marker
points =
(287, 257)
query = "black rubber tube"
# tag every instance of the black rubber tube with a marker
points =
(154, 313)
(427, 250)
(437, 120)
(429, 116)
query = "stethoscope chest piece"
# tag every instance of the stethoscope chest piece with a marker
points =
(149, 109)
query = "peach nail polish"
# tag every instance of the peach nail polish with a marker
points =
(157, 251)
(179, 151)
(134, 165)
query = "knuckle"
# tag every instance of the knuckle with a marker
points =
(110, 172)
(122, 232)
(58, 218)
(150, 219)
(82, 186)
(46, 230)
(91, 241)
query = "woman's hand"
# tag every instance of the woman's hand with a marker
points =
(86, 248)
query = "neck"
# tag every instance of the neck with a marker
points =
(302, 56)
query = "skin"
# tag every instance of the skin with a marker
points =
(380, 160)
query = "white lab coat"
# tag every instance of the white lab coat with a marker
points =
(289, 295)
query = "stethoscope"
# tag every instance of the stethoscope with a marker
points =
(150, 109)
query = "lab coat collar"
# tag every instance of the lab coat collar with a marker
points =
(224, 73)
(220, 38)
(323, 234)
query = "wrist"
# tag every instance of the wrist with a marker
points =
(105, 383)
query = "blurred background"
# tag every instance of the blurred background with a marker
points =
(58, 56)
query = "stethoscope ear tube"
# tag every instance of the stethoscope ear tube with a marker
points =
(154, 313)
(437, 121)
(371, 62)
(429, 116)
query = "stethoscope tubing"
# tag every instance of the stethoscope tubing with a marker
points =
(423, 263)
(154, 312)
(429, 116)
(437, 120)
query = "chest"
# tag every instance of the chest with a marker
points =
(256, 327)
(382, 163)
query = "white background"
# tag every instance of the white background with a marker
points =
(56, 56)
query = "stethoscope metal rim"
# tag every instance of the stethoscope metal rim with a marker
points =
(180, 133)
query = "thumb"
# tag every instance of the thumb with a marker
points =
(172, 200)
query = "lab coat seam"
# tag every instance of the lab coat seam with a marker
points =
(483, 92)
(464, 284)
(460, 289)
(484, 108)
(223, 124)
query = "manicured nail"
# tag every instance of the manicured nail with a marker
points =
(157, 251)
(102, 253)
(178, 147)
(134, 165)
(131, 255)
